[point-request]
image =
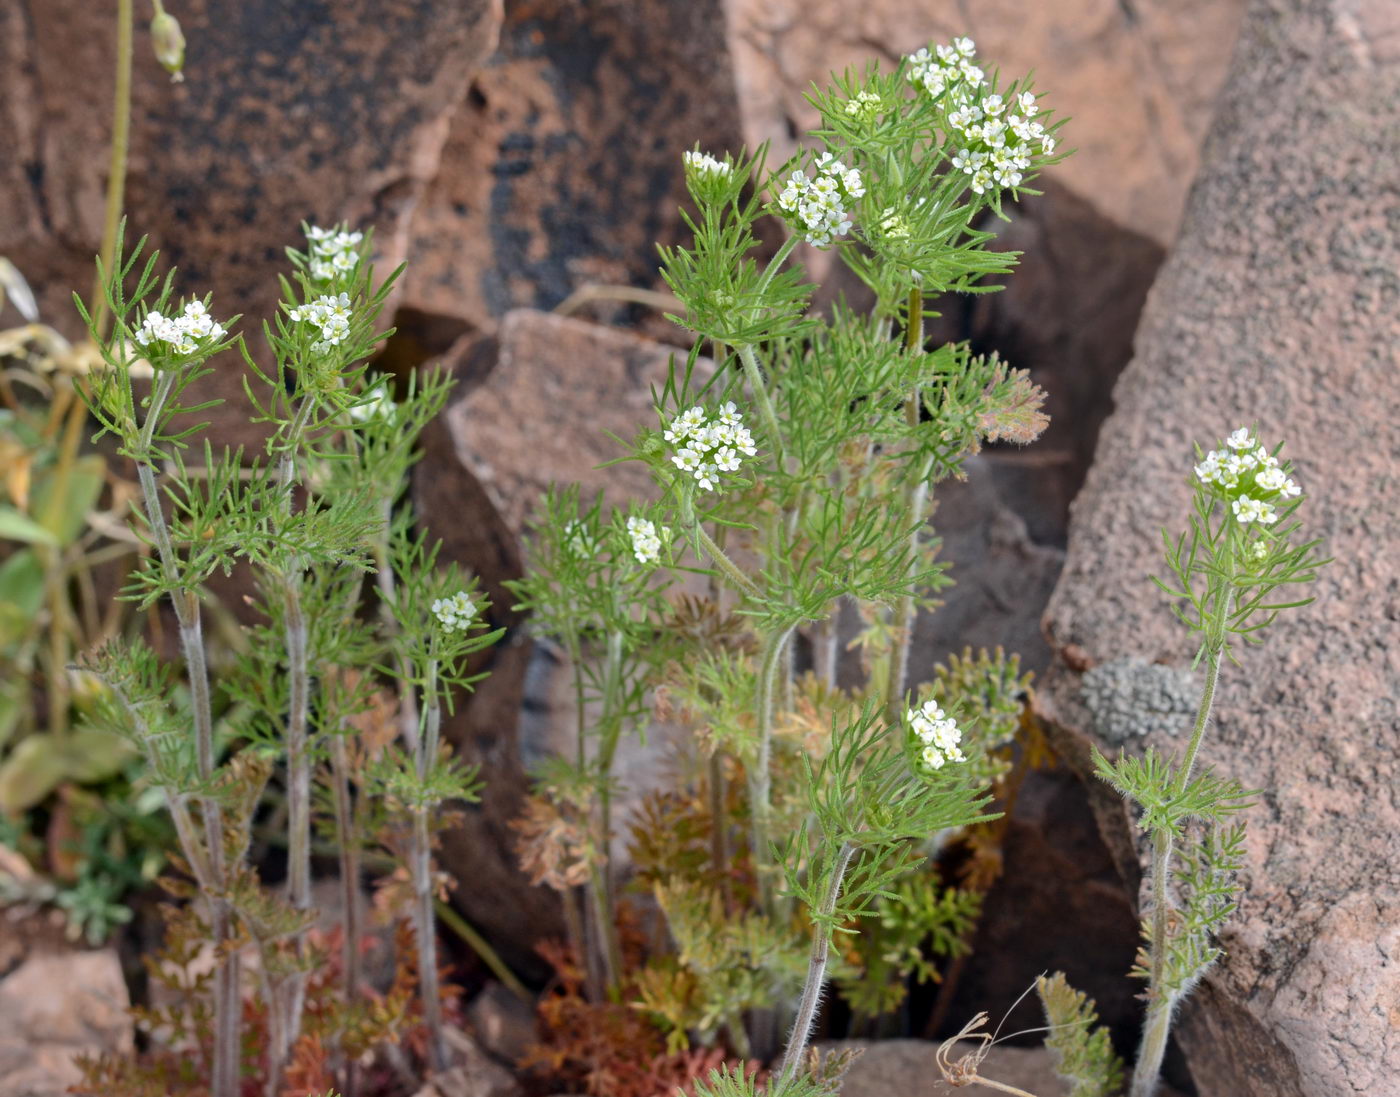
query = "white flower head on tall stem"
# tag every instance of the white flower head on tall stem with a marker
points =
(710, 444)
(456, 612)
(183, 334)
(938, 735)
(646, 541)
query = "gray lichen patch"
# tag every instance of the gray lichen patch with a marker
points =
(1129, 698)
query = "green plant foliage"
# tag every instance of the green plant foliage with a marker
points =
(1084, 1057)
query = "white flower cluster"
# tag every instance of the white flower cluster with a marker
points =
(330, 314)
(997, 138)
(938, 733)
(455, 613)
(1250, 477)
(947, 67)
(704, 165)
(646, 542)
(820, 206)
(332, 252)
(709, 445)
(181, 334)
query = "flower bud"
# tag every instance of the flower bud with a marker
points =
(169, 43)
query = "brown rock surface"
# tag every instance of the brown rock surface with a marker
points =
(1279, 307)
(1138, 77)
(289, 112)
(540, 415)
(56, 1005)
(563, 166)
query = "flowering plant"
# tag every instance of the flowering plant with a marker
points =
(313, 517)
(794, 471)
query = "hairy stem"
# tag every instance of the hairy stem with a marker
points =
(1160, 1003)
(423, 879)
(760, 779)
(816, 970)
(760, 394)
(348, 838)
(602, 883)
(730, 570)
(916, 503)
(228, 1006)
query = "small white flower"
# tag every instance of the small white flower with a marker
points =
(646, 543)
(965, 46)
(938, 733)
(1026, 101)
(1247, 509)
(1240, 440)
(726, 460)
(331, 314)
(332, 252)
(703, 165)
(455, 613)
(181, 334)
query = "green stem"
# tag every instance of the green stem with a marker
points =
(816, 970)
(760, 393)
(478, 944)
(731, 570)
(1161, 1004)
(773, 264)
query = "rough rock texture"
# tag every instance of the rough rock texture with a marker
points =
(532, 411)
(1279, 307)
(564, 165)
(1067, 313)
(54, 1006)
(540, 415)
(289, 112)
(1138, 77)
(1002, 579)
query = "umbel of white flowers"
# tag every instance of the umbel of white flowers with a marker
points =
(1248, 476)
(329, 313)
(998, 139)
(646, 542)
(455, 613)
(710, 443)
(332, 252)
(937, 734)
(822, 204)
(181, 334)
